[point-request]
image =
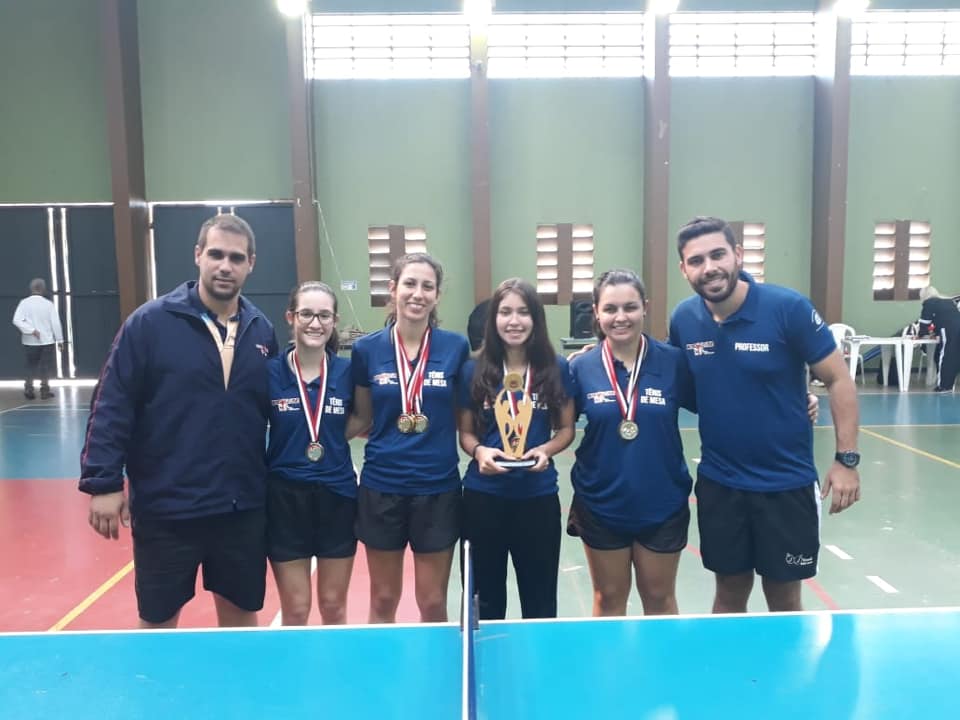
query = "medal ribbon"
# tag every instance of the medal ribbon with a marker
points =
(628, 404)
(313, 417)
(411, 380)
(224, 346)
(527, 384)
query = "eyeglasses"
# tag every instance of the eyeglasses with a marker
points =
(308, 316)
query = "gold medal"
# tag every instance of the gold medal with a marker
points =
(405, 424)
(513, 382)
(315, 452)
(420, 423)
(628, 429)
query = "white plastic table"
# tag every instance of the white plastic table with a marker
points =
(888, 346)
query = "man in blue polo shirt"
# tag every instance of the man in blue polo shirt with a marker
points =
(182, 408)
(758, 505)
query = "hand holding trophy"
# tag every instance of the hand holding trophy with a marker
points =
(513, 418)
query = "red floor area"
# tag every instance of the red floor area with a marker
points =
(60, 561)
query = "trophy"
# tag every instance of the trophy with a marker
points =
(513, 418)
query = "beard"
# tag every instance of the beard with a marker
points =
(718, 296)
(218, 294)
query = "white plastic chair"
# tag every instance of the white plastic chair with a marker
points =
(926, 353)
(842, 334)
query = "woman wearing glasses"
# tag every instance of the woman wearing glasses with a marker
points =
(312, 487)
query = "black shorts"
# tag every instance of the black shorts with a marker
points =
(670, 536)
(306, 519)
(775, 533)
(166, 554)
(430, 523)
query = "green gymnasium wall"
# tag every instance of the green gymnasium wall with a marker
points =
(216, 125)
(394, 153)
(904, 164)
(214, 86)
(565, 151)
(53, 137)
(742, 149)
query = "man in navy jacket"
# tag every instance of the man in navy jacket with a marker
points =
(182, 407)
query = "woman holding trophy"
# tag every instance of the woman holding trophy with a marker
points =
(630, 479)
(406, 378)
(516, 413)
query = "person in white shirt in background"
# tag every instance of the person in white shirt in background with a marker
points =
(39, 324)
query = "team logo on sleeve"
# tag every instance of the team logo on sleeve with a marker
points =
(699, 349)
(816, 319)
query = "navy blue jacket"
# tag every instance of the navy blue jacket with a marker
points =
(190, 447)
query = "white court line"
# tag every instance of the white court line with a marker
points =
(18, 407)
(882, 584)
(47, 408)
(838, 552)
(278, 618)
(572, 568)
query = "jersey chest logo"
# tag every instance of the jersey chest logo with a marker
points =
(287, 404)
(699, 349)
(602, 396)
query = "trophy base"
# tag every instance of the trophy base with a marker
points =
(511, 464)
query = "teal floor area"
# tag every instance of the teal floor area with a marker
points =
(898, 547)
(903, 533)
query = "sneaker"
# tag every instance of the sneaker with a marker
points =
(45, 394)
(29, 395)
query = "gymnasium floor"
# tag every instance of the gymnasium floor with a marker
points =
(899, 547)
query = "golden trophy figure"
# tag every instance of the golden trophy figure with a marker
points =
(513, 418)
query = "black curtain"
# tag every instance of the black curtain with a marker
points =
(275, 272)
(94, 291)
(24, 255)
(175, 230)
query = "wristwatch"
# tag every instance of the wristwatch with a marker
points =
(849, 458)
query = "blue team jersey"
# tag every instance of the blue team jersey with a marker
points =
(632, 484)
(751, 385)
(416, 463)
(519, 482)
(289, 436)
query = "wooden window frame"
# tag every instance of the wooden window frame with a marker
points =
(901, 259)
(385, 245)
(565, 262)
(752, 237)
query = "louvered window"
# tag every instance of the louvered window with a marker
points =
(564, 263)
(362, 45)
(901, 259)
(387, 243)
(522, 45)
